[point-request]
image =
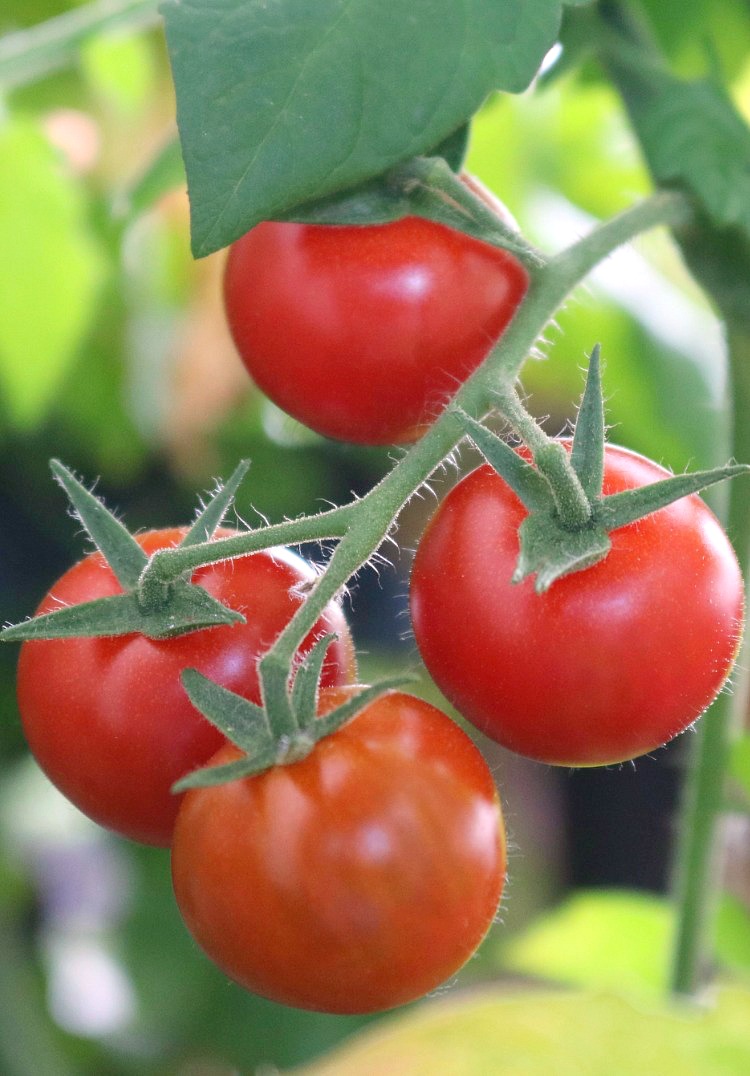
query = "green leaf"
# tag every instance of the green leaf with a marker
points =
(282, 103)
(121, 69)
(690, 131)
(693, 135)
(603, 939)
(568, 1034)
(119, 548)
(733, 935)
(49, 277)
(455, 147)
(739, 767)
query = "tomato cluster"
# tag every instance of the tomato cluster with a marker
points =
(364, 874)
(354, 880)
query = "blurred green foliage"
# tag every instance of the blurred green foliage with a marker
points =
(114, 357)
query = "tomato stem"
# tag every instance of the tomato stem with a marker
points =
(571, 502)
(361, 529)
(700, 852)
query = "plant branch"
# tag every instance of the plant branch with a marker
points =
(361, 526)
(700, 852)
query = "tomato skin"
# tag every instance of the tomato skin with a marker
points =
(355, 880)
(108, 719)
(364, 332)
(610, 662)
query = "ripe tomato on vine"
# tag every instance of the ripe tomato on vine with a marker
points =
(356, 879)
(107, 719)
(610, 662)
(363, 333)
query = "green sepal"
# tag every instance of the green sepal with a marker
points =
(334, 720)
(425, 187)
(242, 721)
(209, 519)
(619, 509)
(119, 548)
(190, 607)
(531, 488)
(554, 543)
(238, 720)
(175, 608)
(587, 453)
(209, 776)
(307, 679)
(550, 551)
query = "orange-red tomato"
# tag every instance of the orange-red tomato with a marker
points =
(108, 720)
(354, 880)
(610, 662)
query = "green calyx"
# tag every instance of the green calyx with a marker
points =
(569, 522)
(271, 736)
(425, 187)
(158, 611)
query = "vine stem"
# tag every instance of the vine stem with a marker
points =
(361, 526)
(27, 55)
(700, 851)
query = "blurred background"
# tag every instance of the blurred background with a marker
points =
(114, 357)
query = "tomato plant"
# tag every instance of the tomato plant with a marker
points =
(107, 718)
(610, 662)
(356, 879)
(364, 333)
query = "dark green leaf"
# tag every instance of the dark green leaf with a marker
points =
(279, 104)
(119, 548)
(453, 149)
(693, 135)
(690, 131)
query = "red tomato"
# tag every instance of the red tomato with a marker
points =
(610, 662)
(364, 333)
(108, 719)
(355, 880)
